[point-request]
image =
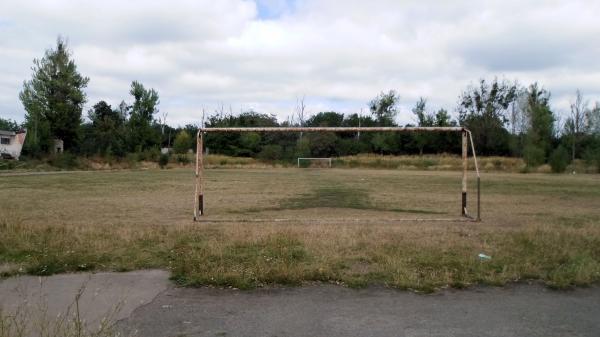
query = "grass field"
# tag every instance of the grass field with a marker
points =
(339, 228)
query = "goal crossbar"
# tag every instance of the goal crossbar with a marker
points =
(467, 139)
(340, 129)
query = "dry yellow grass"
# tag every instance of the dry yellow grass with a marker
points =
(535, 226)
(429, 162)
(445, 162)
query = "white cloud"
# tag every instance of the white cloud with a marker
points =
(201, 54)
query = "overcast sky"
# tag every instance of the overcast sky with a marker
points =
(264, 54)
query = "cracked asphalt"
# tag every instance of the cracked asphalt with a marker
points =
(151, 306)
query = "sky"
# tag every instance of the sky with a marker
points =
(266, 54)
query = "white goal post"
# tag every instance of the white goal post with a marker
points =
(467, 139)
(324, 159)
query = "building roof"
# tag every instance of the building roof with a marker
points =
(7, 133)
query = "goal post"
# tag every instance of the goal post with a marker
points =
(328, 160)
(466, 140)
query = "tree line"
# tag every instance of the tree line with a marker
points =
(506, 119)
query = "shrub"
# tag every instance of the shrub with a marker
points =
(108, 155)
(426, 163)
(163, 160)
(64, 161)
(559, 159)
(132, 158)
(304, 164)
(271, 153)
(302, 148)
(183, 159)
(592, 156)
(533, 155)
(7, 164)
(152, 154)
(182, 142)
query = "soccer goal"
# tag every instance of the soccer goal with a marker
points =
(467, 139)
(324, 161)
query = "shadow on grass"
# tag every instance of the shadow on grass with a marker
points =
(335, 197)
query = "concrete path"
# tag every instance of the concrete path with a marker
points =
(337, 311)
(155, 308)
(102, 294)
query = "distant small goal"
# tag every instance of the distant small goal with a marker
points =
(323, 162)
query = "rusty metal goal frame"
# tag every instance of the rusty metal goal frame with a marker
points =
(467, 139)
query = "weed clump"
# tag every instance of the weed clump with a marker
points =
(163, 160)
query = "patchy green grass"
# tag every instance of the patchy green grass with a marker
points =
(335, 196)
(338, 196)
(539, 227)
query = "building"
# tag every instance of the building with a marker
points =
(59, 146)
(11, 143)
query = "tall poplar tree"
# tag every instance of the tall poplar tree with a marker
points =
(53, 98)
(142, 135)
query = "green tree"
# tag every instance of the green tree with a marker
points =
(39, 138)
(8, 125)
(482, 109)
(592, 154)
(329, 118)
(271, 152)
(302, 148)
(423, 119)
(593, 120)
(192, 130)
(592, 151)
(559, 159)
(576, 125)
(533, 155)
(447, 142)
(383, 143)
(53, 99)
(250, 142)
(442, 118)
(142, 134)
(384, 107)
(236, 144)
(107, 129)
(540, 131)
(182, 142)
(322, 144)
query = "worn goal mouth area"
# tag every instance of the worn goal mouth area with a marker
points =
(345, 197)
(331, 196)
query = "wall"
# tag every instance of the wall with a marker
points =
(16, 144)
